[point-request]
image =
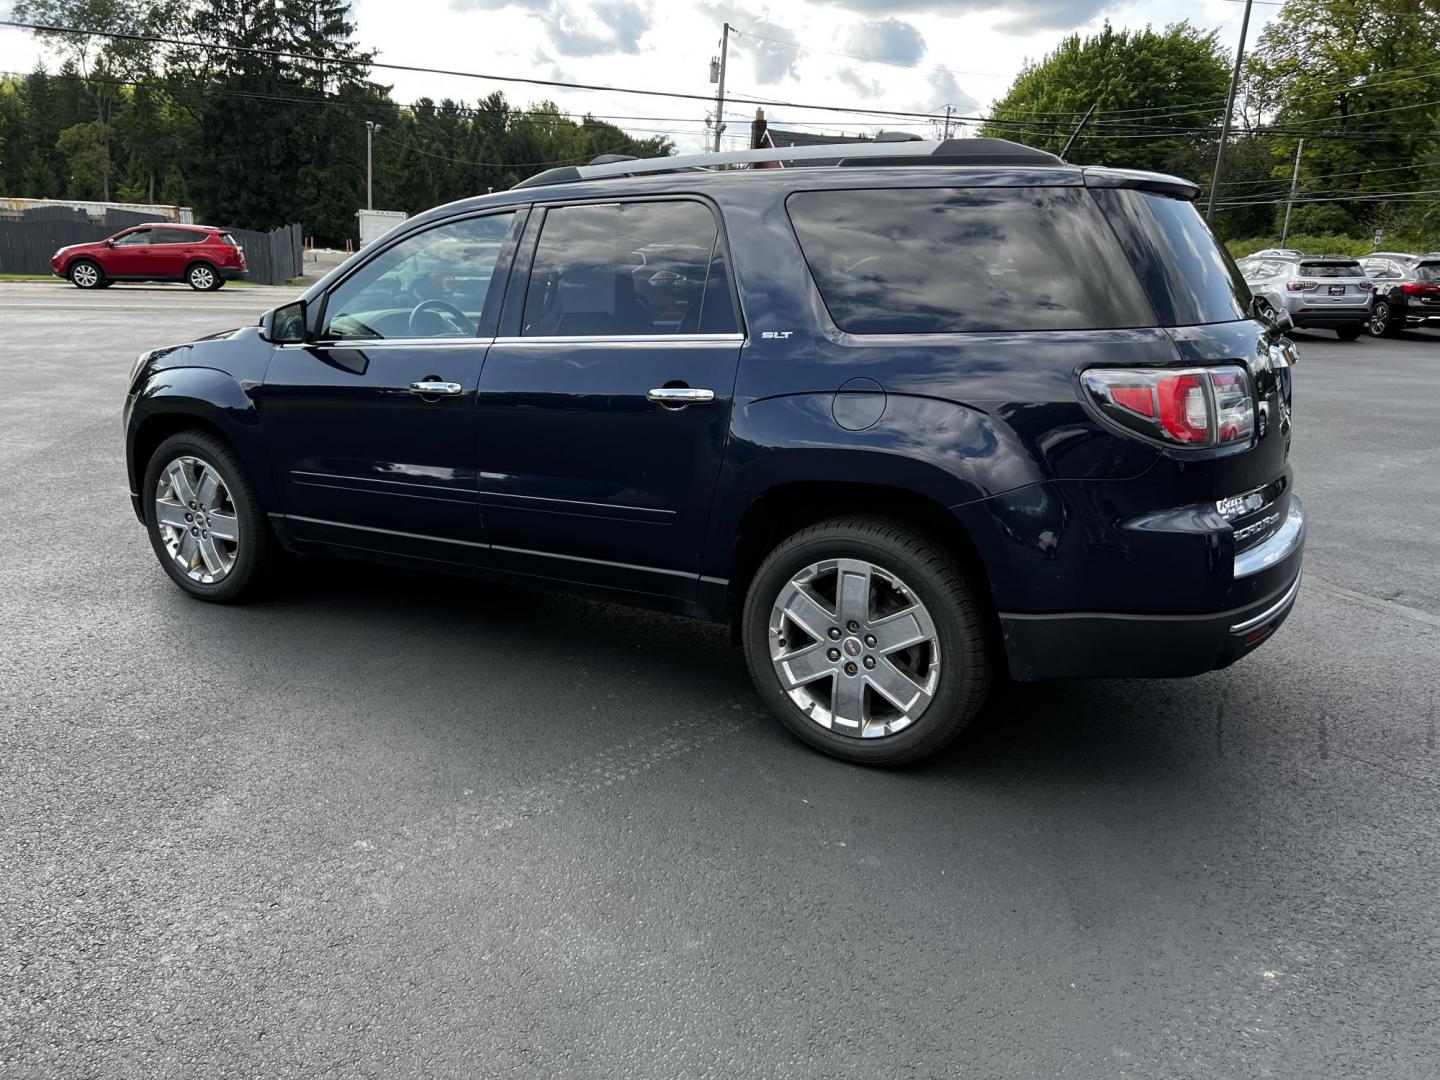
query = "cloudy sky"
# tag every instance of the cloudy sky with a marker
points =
(906, 55)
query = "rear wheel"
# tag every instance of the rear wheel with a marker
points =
(1349, 333)
(85, 274)
(205, 520)
(866, 640)
(1382, 320)
(203, 278)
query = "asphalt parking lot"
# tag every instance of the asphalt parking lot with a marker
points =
(385, 825)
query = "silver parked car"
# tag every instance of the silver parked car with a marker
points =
(1317, 291)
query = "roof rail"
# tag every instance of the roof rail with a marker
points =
(870, 152)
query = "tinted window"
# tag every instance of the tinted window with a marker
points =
(937, 260)
(1331, 269)
(635, 268)
(179, 236)
(1191, 279)
(1428, 272)
(432, 284)
(135, 239)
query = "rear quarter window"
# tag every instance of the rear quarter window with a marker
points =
(1189, 276)
(945, 260)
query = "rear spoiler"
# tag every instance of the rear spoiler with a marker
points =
(1100, 177)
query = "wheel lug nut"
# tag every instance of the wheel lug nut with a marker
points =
(834, 654)
(870, 641)
(194, 531)
(189, 517)
(834, 633)
(852, 626)
(850, 669)
(869, 663)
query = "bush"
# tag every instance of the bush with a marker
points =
(1332, 244)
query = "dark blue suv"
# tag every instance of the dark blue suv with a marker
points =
(910, 421)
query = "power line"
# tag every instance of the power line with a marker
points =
(285, 54)
(862, 59)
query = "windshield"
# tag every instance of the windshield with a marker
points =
(1428, 273)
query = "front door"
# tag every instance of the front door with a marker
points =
(371, 428)
(604, 410)
(129, 255)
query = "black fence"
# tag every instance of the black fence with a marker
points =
(28, 240)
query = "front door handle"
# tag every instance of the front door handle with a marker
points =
(436, 387)
(677, 397)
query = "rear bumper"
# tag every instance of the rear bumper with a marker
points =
(232, 273)
(1104, 644)
(1339, 317)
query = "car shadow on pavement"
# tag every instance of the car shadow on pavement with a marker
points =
(1100, 728)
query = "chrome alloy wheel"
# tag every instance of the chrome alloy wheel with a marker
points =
(197, 520)
(202, 277)
(854, 648)
(85, 275)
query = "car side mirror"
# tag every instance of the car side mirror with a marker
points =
(109, 243)
(1277, 321)
(284, 325)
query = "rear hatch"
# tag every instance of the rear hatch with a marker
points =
(1423, 292)
(1202, 301)
(1331, 282)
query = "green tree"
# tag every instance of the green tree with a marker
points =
(85, 149)
(1364, 78)
(1148, 87)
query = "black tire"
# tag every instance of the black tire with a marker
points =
(929, 572)
(1349, 333)
(86, 274)
(1382, 320)
(202, 277)
(106, 283)
(255, 549)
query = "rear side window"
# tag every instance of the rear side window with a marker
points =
(628, 269)
(179, 236)
(1331, 269)
(945, 260)
(1190, 277)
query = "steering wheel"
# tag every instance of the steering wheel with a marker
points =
(446, 310)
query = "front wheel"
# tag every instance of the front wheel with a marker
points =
(206, 523)
(1349, 333)
(867, 641)
(203, 278)
(85, 274)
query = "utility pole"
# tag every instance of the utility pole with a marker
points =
(370, 128)
(720, 93)
(1229, 108)
(947, 121)
(1294, 186)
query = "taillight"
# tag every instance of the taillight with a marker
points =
(1366, 286)
(1302, 286)
(1198, 407)
(1415, 288)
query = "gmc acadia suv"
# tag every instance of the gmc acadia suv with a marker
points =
(938, 414)
(203, 257)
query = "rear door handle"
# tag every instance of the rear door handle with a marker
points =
(677, 397)
(436, 387)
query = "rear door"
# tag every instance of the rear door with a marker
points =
(605, 405)
(173, 250)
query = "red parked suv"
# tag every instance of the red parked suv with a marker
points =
(202, 256)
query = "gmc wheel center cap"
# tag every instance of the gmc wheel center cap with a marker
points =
(852, 646)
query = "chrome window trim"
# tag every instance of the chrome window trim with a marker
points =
(363, 344)
(651, 341)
